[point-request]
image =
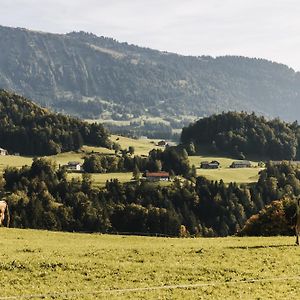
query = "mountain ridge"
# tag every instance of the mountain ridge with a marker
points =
(86, 75)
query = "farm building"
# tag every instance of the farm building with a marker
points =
(162, 143)
(3, 151)
(74, 166)
(157, 176)
(241, 164)
(209, 165)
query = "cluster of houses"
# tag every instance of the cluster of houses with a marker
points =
(75, 166)
(214, 164)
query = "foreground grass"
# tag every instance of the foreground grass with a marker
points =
(90, 266)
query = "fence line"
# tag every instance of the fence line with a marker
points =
(153, 288)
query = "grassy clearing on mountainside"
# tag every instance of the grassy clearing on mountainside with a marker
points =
(100, 179)
(14, 161)
(41, 262)
(242, 175)
(142, 147)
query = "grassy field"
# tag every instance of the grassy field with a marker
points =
(100, 179)
(14, 161)
(141, 146)
(243, 175)
(52, 265)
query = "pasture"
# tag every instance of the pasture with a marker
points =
(14, 161)
(142, 147)
(100, 179)
(243, 175)
(54, 265)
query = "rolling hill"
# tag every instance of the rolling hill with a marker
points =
(28, 129)
(242, 134)
(96, 77)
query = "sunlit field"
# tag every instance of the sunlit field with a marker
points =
(14, 161)
(243, 175)
(100, 179)
(142, 147)
(53, 265)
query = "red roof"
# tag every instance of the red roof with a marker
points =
(157, 174)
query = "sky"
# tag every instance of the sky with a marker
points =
(255, 28)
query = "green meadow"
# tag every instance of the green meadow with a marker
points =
(243, 175)
(142, 147)
(55, 265)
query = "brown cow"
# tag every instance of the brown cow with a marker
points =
(4, 214)
(297, 227)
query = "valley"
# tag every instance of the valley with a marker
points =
(141, 148)
(149, 150)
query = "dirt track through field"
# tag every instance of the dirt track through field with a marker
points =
(153, 288)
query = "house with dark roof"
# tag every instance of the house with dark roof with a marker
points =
(162, 143)
(209, 165)
(241, 164)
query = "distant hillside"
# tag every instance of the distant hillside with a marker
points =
(241, 134)
(89, 76)
(28, 129)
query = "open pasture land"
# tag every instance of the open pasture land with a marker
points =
(53, 265)
(141, 146)
(242, 175)
(100, 179)
(14, 161)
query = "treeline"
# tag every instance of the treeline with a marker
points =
(31, 130)
(171, 159)
(242, 134)
(279, 185)
(40, 196)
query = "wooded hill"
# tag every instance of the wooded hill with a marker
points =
(242, 134)
(28, 129)
(83, 74)
(41, 197)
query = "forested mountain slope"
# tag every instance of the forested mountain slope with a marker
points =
(27, 128)
(87, 75)
(242, 134)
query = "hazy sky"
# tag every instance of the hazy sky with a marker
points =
(256, 28)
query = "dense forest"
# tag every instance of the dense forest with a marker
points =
(86, 75)
(26, 128)
(243, 134)
(40, 196)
